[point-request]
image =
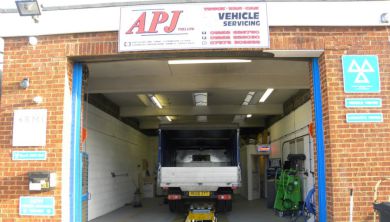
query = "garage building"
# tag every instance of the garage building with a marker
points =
(102, 104)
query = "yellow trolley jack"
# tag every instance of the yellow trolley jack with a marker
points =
(201, 215)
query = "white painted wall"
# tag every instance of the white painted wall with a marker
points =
(250, 172)
(66, 132)
(291, 126)
(112, 147)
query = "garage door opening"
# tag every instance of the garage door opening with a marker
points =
(145, 115)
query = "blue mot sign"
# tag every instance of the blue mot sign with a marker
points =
(361, 74)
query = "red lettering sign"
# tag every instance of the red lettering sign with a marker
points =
(159, 18)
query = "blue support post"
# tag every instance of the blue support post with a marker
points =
(75, 158)
(322, 210)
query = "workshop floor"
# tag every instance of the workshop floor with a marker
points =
(154, 210)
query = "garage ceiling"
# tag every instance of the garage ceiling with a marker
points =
(128, 84)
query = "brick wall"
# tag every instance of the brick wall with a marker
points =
(46, 66)
(357, 155)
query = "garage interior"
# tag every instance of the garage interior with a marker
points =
(126, 102)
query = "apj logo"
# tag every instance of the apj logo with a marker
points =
(159, 18)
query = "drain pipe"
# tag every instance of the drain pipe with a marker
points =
(351, 205)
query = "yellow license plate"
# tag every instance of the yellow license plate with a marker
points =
(198, 194)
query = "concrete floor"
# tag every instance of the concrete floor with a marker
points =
(154, 210)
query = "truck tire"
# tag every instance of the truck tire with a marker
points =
(220, 206)
(228, 205)
(224, 206)
(176, 206)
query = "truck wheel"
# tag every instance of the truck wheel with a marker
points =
(176, 206)
(221, 206)
(172, 206)
(228, 205)
(224, 206)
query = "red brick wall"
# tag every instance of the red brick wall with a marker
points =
(45, 65)
(357, 155)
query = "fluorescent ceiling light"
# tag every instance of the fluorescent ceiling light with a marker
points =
(201, 119)
(168, 118)
(238, 118)
(248, 98)
(200, 99)
(155, 101)
(248, 115)
(202, 61)
(266, 95)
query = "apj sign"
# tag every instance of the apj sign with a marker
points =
(194, 26)
(361, 74)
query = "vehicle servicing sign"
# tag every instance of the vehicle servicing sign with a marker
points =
(194, 26)
(363, 103)
(364, 117)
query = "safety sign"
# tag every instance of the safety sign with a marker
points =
(36, 206)
(361, 74)
(29, 155)
(364, 117)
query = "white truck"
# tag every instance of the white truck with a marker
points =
(199, 165)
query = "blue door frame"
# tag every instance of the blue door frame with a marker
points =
(321, 174)
(76, 169)
(75, 154)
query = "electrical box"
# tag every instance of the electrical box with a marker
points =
(42, 180)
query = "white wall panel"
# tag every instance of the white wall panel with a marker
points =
(112, 147)
(294, 121)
